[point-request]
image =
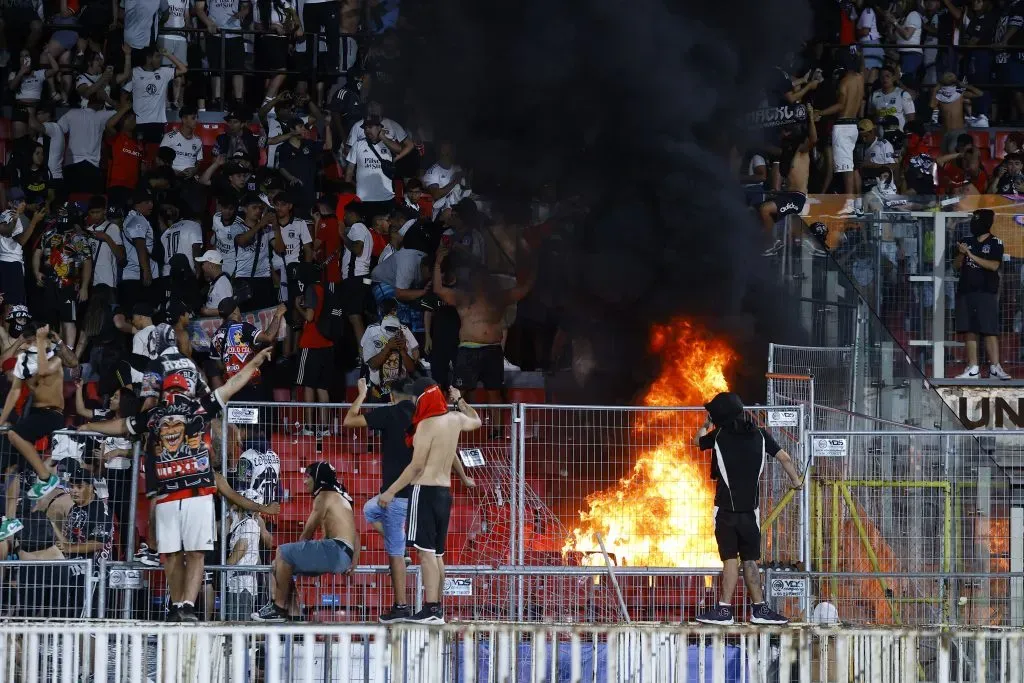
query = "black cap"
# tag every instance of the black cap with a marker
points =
(291, 123)
(175, 309)
(227, 306)
(77, 474)
(142, 195)
(232, 168)
(251, 198)
(187, 110)
(234, 114)
(143, 309)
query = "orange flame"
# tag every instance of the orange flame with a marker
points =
(661, 513)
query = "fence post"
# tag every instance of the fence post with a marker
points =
(101, 590)
(939, 298)
(519, 496)
(129, 543)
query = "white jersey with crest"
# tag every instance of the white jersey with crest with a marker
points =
(259, 471)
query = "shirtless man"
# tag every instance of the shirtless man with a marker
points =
(44, 375)
(435, 441)
(791, 200)
(844, 132)
(336, 553)
(481, 307)
(948, 97)
(12, 341)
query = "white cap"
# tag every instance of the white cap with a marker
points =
(210, 256)
(8, 216)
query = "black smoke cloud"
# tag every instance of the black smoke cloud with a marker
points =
(629, 106)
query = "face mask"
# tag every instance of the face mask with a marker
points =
(15, 328)
(978, 229)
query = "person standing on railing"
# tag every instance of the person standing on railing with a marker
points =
(978, 261)
(140, 23)
(1010, 63)
(219, 16)
(177, 15)
(741, 451)
(434, 437)
(844, 132)
(392, 422)
(148, 89)
(891, 100)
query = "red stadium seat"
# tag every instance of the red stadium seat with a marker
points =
(982, 139)
(208, 133)
(1000, 144)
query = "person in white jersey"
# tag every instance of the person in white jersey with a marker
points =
(187, 145)
(227, 225)
(148, 88)
(107, 258)
(176, 13)
(291, 241)
(445, 181)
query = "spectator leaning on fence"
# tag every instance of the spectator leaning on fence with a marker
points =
(979, 258)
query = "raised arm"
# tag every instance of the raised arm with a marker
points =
(353, 418)
(80, 402)
(471, 420)
(238, 381)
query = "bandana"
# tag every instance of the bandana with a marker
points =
(431, 404)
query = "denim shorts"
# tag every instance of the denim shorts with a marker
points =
(393, 519)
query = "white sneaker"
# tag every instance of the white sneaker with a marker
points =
(306, 431)
(996, 371)
(847, 208)
(511, 367)
(321, 433)
(972, 372)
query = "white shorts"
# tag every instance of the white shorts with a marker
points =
(176, 45)
(844, 139)
(187, 525)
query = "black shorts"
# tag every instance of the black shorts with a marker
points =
(151, 133)
(480, 364)
(234, 54)
(977, 312)
(271, 52)
(99, 309)
(12, 282)
(788, 203)
(354, 295)
(36, 424)
(316, 368)
(60, 303)
(430, 507)
(738, 533)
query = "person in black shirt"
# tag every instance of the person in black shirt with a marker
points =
(88, 528)
(1009, 176)
(298, 160)
(392, 422)
(740, 453)
(977, 294)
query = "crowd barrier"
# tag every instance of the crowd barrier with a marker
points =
(500, 653)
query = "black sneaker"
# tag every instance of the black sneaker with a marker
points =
(187, 613)
(173, 614)
(396, 615)
(270, 612)
(719, 615)
(762, 614)
(427, 615)
(146, 556)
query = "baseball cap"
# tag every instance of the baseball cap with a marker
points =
(175, 381)
(77, 474)
(865, 125)
(372, 121)
(8, 216)
(251, 199)
(175, 309)
(234, 114)
(15, 194)
(143, 309)
(234, 168)
(227, 306)
(141, 196)
(210, 256)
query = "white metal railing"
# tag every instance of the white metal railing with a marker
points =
(57, 651)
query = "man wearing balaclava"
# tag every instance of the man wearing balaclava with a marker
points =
(740, 452)
(977, 294)
(390, 349)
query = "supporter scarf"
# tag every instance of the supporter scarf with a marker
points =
(431, 404)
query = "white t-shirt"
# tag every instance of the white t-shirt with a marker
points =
(104, 263)
(391, 129)
(178, 239)
(84, 128)
(143, 345)
(295, 234)
(371, 183)
(912, 20)
(440, 176)
(880, 152)
(756, 162)
(136, 226)
(898, 103)
(220, 289)
(140, 22)
(392, 370)
(88, 80)
(868, 20)
(224, 240)
(259, 251)
(31, 86)
(55, 158)
(247, 529)
(177, 13)
(358, 233)
(10, 250)
(149, 93)
(188, 152)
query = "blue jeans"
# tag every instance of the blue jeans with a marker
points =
(392, 518)
(910, 65)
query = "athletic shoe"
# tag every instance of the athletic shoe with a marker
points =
(996, 371)
(9, 527)
(187, 613)
(306, 431)
(148, 557)
(719, 615)
(765, 616)
(41, 487)
(510, 366)
(270, 612)
(321, 433)
(972, 372)
(848, 208)
(427, 615)
(774, 249)
(396, 615)
(173, 614)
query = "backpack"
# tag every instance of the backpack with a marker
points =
(332, 318)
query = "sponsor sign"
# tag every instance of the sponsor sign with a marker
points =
(458, 586)
(788, 588)
(829, 448)
(783, 418)
(471, 457)
(243, 416)
(774, 117)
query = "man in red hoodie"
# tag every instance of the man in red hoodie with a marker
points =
(434, 436)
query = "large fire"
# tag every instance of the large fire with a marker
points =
(660, 514)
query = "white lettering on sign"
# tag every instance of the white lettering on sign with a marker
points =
(458, 587)
(788, 588)
(243, 416)
(471, 457)
(829, 448)
(783, 418)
